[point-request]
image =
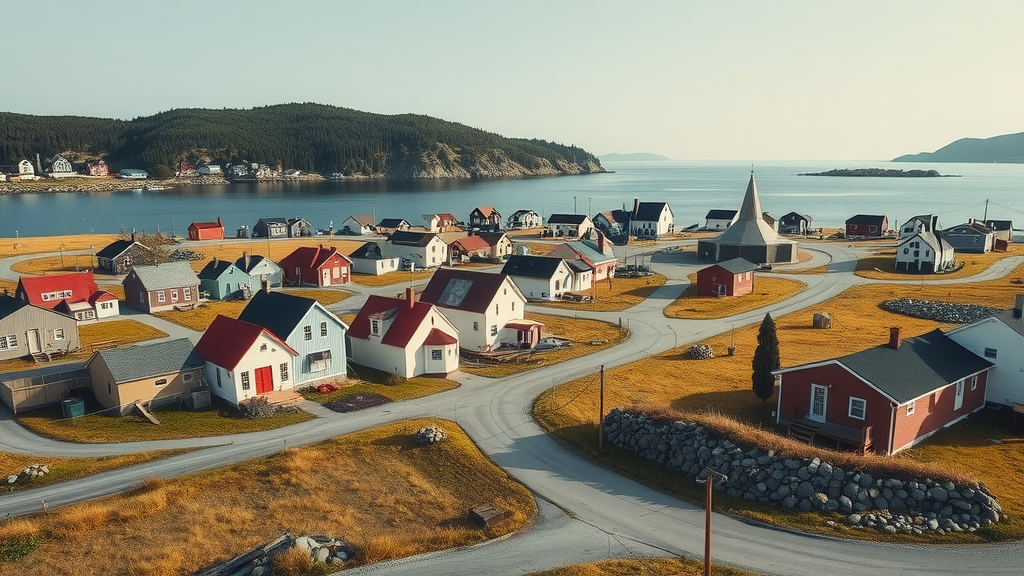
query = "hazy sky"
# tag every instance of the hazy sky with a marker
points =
(690, 80)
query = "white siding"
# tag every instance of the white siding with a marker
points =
(1006, 378)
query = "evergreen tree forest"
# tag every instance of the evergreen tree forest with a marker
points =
(307, 137)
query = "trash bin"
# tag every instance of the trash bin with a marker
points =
(72, 407)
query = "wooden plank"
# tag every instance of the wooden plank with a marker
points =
(145, 413)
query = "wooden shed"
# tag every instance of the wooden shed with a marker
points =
(730, 278)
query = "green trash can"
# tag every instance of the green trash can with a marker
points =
(72, 407)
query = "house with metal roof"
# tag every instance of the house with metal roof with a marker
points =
(206, 230)
(750, 237)
(29, 330)
(161, 287)
(569, 225)
(375, 258)
(540, 277)
(73, 294)
(404, 337)
(720, 219)
(651, 219)
(488, 309)
(867, 226)
(883, 399)
(222, 280)
(970, 237)
(271, 228)
(316, 334)
(421, 249)
(119, 256)
(243, 360)
(316, 266)
(150, 374)
(998, 339)
(359, 225)
(729, 278)
(260, 269)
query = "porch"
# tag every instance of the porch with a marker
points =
(831, 435)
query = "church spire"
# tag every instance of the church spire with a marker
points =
(751, 208)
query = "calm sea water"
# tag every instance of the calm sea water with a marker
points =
(691, 188)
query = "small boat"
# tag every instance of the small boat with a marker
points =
(148, 188)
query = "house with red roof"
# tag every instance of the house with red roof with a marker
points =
(75, 295)
(404, 337)
(485, 218)
(464, 249)
(206, 230)
(243, 360)
(316, 266)
(440, 222)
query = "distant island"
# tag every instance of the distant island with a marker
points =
(614, 157)
(880, 173)
(308, 138)
(1005, 149)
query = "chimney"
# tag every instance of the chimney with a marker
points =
(245, 260)
(1018, 307)
(133, 235)
(39, 165)
(636, 206)
(215, 261)
(266, 286)
(410, 298)
(600, 242)
(895, 337)
(219, 223)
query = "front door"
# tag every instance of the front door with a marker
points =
(264, 380)
(819, 399)
(327, 278)
(34, 344)
(958, 400)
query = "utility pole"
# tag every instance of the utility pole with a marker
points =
(600, 417)
(574, 211)
(985, 219)
(708, 478)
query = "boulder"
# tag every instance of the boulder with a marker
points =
(938, 493)
(804, 490)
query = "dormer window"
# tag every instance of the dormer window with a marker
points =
(375, 327)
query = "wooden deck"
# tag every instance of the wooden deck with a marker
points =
(283, 397)
(813, 432)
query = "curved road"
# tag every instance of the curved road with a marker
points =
(586, 513)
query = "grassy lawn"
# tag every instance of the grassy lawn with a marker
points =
(536, 248)
(671, 380)
(52, 265)
(38, 244)
(231, 250)
(62, 469)
(644, 567)
(391, 278)
(587, 336)
(623, 293)
(767, 291)
(363, 380)
(881, 265)
(216, 420)
(123, 332)
(200, 317)
(378, 489)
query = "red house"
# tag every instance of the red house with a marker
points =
(886, 398)
(462, 249)
(206, 230)
(867, 226)
(73, 294)
(317, 266)
(730, 278)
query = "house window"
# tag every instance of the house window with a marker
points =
(110, 389)
(58, 333)
(160, 382)
(8, 342)
(245, 381)
(336, 272)
(174, 295)
(375, 327)
(187, 377)
(990, 352)
(284, 371)
(219, 383)
(857, 408)
(437, 354)
(513, 306)
(496, 308)
(161, 297)
(263, 347)
(323, 329)
(927, 253)
(911, 407)
(906, 251)
(142, 297)
(494, 329)
(974, 382)
(188, 294)
(476, 326)
(307, 333)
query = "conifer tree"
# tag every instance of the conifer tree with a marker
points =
(766, 359)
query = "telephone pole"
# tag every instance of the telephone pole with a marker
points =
(600, 416)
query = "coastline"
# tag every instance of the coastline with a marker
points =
(112, 184)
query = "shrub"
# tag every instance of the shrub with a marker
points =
(292, 562)
(394, 379)
(701, 352)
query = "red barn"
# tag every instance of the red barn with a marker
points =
(318, 266)
(867, 226)
(730, 278)
(886, 398)
(206, 230)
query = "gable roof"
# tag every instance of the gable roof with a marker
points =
(583, 248)
(470, 243)
(485, 211)
(578, 266)
(118, 247)
(312, 257)
(409, 238)
(276, 311)
(735, 266)
(254, 261)
(392, 222)
(227, 340)
(362, 220)
(215, 268)
(9, 305)
(148, 360)
(567, 219)
(464, 289)
(999, 225)
(969, 228)
(405, 319)
(375, 251)
(649, 211)
(531, 266)
(520, 213)
(721, 214)
(865, 220)
(793, 216)
(173, 274)
(281, 221)
(492, 238)
(81, 284)
(205, 225)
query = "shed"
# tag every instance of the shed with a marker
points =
(729, 278)
(149, 374)
(206, 230)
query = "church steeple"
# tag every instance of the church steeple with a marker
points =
(751, 208)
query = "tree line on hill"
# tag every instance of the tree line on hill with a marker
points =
(307, 137)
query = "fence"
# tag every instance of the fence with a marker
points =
(26, 393)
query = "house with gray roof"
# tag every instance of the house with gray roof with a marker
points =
(260, 269)
(999, 339)
(149, 375)
(375, 258)
(161, 287)
(540, 277)
(651, 219)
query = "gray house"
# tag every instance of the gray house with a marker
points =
(260, 269)
(119, 256)
(27, 330)
(972, 236)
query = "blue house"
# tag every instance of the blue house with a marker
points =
(260, 269)
(317, 335)
(222, 279)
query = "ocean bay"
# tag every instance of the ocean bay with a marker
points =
(691, 188)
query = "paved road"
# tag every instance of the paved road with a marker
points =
(599, 514)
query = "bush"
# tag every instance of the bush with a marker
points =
(701, 352)
(161, 172)
(292, 562)
(394, 379)
(256, 407)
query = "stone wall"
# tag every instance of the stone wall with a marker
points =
(893, 505)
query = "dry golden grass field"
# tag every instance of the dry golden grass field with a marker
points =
(587, 336)
(722, 384)
(644, 567)
(39, 244)
(232, 250)
(365, 380)
(62, 469)
(202, 316)
(391, 278)
(121, 332)
(536, 248)
(767, 291)
(377, 489)
(623, 293)
(881, 265)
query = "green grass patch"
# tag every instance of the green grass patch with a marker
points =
(18, 548)
(366, 380)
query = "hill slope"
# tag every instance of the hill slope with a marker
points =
(1008, 148)
(308, 137)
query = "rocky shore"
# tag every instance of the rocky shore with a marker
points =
(880, 173)
(111, 184)
(938, 311)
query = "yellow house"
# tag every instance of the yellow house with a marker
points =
(150, 374)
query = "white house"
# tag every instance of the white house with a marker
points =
(540, 277)
(651, 219)
(922, 223)
(440, 222)
(720, 219)
(524, 219)
(423, 249)
(60, 167)
(244, 360)
(404, 337)
(924, 251)
(359, 225)
(487, 309)
(1000, 340)
(26, 171)
(375, 258)
(210, 170)
(570, 225)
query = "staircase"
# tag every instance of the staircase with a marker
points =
(801, 432)
(246, 292)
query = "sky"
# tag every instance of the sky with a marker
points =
(729, 80)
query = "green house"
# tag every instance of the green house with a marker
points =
(222, 280)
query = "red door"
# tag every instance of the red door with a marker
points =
(264, 380)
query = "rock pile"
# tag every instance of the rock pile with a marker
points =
(938, 311)
(259, 561)
(323, 549)
(701, 352)
(33, 471)
(430, 435)
(889, 504)
(186, 254)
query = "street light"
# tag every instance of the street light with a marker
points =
(708, 478)
(62, 257)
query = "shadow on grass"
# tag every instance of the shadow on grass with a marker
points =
(741, 405)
